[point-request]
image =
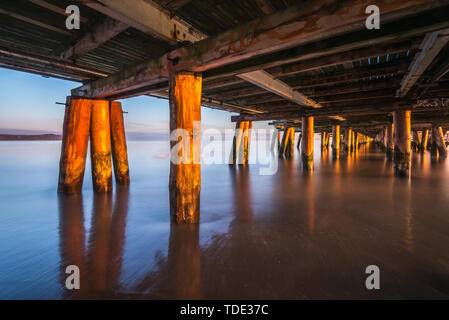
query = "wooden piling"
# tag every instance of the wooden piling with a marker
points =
(291, 143)
(402, 142)
(118, 142)
(438, 143)
(323, 140)
(75, 139)
(424, 140)
(185, 175)
(307, 142)
(335, 140)
(390, 141)
(284, 142)
(100, 146)
(246, 140)
(237, 141)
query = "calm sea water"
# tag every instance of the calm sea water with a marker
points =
(288, 235)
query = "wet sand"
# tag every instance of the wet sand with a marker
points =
(292, 235)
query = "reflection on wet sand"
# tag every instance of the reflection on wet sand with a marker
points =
(100, 266)
(290, 235)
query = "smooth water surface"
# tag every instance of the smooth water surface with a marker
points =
(291, 235)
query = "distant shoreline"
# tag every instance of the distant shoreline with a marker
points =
(30, 137)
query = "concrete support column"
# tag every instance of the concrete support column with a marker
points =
(336, 140)
(390, 141)
(402, 142)
(100, 146)
(307, 142)
(118, 141)
(185, 168)
(75, 139)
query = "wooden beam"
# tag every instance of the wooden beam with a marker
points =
(266, 81)
(54, 8)
(100, 33)
(341, 58)
(431, 45)
(147, 17)
(295, 26)
(35, 22)
(173, 5)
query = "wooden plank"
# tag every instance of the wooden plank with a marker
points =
(292, 27)
(430, 47)
(35, 22)
(54, 8)
(100, 33)
(266, 81)
(147, 17)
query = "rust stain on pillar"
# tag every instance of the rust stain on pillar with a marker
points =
(118, 141)
(402, 142)
(75, 139)
(185, 176)
(307, 143)
(100, 146)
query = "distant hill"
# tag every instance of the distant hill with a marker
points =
(29, 137)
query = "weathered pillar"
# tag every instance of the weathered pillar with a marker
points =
(307, 142)
(390, 141)
(336, 140)
(299, 141)
(284, 142)
(438, 143)
(347, 140)
(237, 141)
(290, 142)
(245, 142)
(247, 136)
(424, 140)
(100, 146)
(323, 140)
(185, 167)
(328, 136)
(75, 139)
(118, 142)
(402, 142)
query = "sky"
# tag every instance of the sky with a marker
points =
(27, 105)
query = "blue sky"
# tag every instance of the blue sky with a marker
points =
(28, 103)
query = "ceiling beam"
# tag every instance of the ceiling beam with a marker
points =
(100, 33)
(266, 81)
(431, 45)
(147, 17)
(295, 26)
